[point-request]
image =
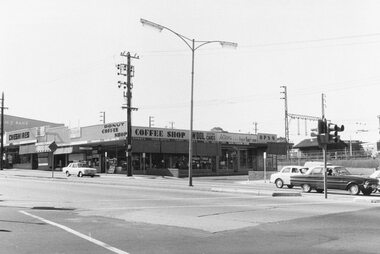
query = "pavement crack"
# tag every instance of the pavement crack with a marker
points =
(239, 211)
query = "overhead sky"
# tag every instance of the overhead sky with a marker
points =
(57, 63)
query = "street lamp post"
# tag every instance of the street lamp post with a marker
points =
(191, 43)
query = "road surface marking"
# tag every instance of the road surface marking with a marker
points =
(88, 238)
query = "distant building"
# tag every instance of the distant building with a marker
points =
(13, 123)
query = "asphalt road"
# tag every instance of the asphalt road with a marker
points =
(116, 214)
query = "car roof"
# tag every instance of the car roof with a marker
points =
(293, 166)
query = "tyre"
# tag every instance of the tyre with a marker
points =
(279, 183)
(319, 190)
(67, 173)
(290, 186)
(354, 189)
(306, 187)
(80, 174)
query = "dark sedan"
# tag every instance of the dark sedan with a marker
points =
(337, 178)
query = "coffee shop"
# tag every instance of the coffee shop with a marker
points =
(160, 151)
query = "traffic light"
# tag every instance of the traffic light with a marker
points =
(322, 126)
(333, 132)
(322, 137)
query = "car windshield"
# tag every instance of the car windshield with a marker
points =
(341, 171)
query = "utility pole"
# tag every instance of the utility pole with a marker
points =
(285, 98)
(103, 117)
(255, 128)
(2, 132)
(323, 105)
(151, 121)
(171, 124)
(128, 71)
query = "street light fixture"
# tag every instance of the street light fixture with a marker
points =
(193, 45)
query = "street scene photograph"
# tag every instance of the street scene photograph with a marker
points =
(189, 126)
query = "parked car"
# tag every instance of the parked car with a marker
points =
(376, 175)
(338, 177)
(312, 164)
(79, 169)
(282, 177)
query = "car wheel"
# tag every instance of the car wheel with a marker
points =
(67, 173)
(80, 174)
(319, 190)
(279, 183)
(290, 186)
(367, 192)
(354, 189)
(306, 187)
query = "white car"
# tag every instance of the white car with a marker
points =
(79, 169)
(282, 177)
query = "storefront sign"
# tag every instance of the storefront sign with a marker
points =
(236, 138)
(158, 133)
(118, 131)
(22, 135)
(264, 137)
(113, 127)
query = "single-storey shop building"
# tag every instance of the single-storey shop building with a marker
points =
(154, 150)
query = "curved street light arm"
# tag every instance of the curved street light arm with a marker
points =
(184, 38)
(161, 27)
(204, 43)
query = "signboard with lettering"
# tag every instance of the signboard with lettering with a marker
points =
(236, 138)
(21, 136)
(118, 131)
(265, 137)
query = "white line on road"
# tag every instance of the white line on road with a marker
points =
(90, 239)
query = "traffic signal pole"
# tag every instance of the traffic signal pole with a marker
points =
(327, 134)
(325, 170)
(324, 149)
(2, 132)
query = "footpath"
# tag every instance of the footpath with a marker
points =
(225, 184)
(232, 184)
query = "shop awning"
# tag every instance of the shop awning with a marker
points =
(27, 149)
(64, 150)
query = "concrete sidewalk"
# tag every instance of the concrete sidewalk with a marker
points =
(233, 184)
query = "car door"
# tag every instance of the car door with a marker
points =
(292, 172)
(74, 169)
(316, 178)
(285, 175)
(334, 181)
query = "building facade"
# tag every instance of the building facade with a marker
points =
(154, 150)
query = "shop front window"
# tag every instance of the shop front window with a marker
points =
(243, 159)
